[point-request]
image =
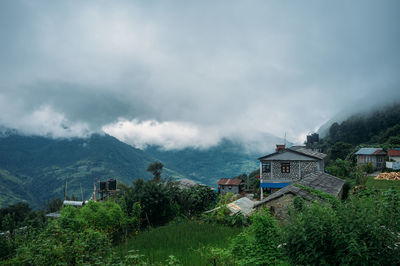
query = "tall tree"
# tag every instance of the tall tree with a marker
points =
(155, 168)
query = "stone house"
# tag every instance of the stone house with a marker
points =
(233, 185)
(287, 165)
(280, 201)
(376, 156)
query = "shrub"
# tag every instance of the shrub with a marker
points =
(361, 231)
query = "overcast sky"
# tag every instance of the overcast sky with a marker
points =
(187, 73)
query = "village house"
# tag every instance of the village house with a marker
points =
(394, 159)
(394, 155)
(280, 201)
(288, 165)
(375, 156)
(233, 185)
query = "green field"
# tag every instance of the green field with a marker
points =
(382, 184)
(183, 240)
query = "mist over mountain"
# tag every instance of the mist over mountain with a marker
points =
(362, 110)
(35, 168)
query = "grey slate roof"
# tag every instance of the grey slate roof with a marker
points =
(367, 151)
(319, 180)
(310, 152)
(288, 155)
(323, 181)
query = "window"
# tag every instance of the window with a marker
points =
(285, 167)
(266, 167)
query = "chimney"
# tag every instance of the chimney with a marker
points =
(280, 148)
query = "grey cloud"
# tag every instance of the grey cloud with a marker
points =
(266, 67)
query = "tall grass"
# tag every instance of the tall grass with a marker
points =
(184, 240)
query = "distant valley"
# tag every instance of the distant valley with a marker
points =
(34, 169)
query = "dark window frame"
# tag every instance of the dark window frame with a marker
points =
(285, 168)
(266, 167)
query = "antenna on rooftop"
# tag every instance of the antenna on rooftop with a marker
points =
(285, 139)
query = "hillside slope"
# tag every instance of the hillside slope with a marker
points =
(377, 127)
(228, 159)
(35, 168)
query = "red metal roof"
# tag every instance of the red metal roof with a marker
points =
(379, 152)
(230, 181)
(394, 152)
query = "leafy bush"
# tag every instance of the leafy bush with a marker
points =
(360, 231)
(57, 245)
(368, 168)
(340, 168)
(259, 245)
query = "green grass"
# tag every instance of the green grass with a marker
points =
(382, 184)
(183, 240)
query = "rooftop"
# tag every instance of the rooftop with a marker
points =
(230, 181)
(370, 151)
(394, 152)
(304, 150)
(322, 181)
(295, 153)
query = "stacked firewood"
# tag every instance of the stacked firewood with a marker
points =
(388, 176)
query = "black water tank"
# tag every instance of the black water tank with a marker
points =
(103, 185)
(112, 184)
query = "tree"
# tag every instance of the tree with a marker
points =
(340, 150)
(340, 168)
(155, 168)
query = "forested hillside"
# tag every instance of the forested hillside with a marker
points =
(378, 127)
(34, 169)
(226, 160)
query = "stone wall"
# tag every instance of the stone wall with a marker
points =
(279, 207)
(306, 168)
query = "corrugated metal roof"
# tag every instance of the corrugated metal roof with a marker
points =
(53, 215)
(368, 151)
(243, 205)
(73, 203)
(394, 152)
(230, 181)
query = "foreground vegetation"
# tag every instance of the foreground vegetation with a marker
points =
(186, 240)
(362, 230)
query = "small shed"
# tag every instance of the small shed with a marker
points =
(233, 185)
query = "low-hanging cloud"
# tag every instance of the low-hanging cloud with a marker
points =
(45, 122)
(193, 72)
(168, 135)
